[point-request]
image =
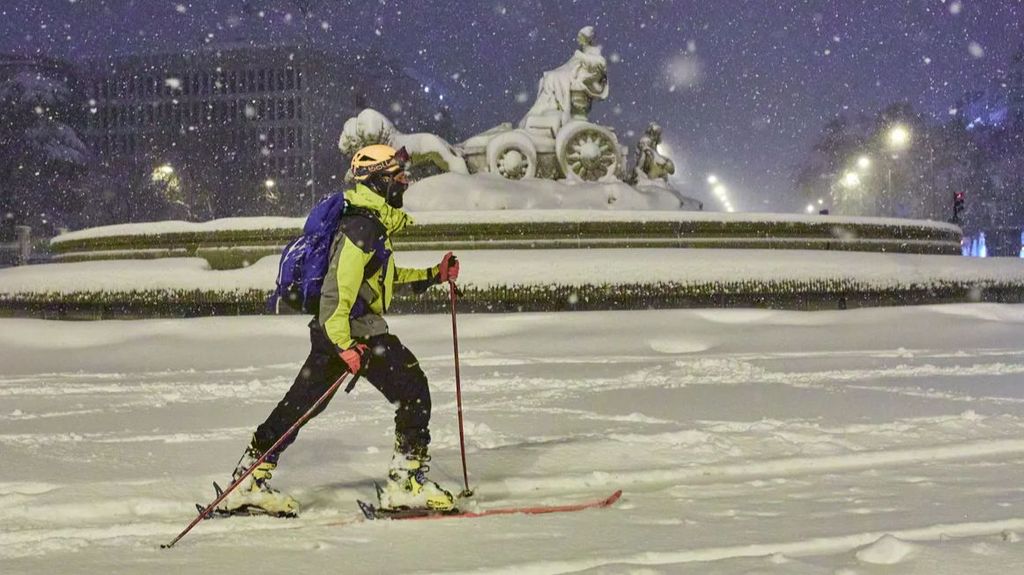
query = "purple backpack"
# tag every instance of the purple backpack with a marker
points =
(305, 259)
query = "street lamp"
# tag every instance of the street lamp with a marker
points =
(268, 193)
(898, 137)
(712, 179)
(851, 180)
(863, 162)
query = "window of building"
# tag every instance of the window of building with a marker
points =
(261, 81)
(298, 108)
(290, 78)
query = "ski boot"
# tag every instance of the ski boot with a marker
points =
(255, 496)
(409, 488)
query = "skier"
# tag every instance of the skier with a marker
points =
(350, 334)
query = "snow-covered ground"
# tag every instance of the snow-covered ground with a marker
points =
(857, 442)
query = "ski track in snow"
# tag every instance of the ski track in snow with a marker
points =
(776, 442)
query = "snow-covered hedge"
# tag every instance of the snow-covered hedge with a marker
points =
(806, 295)
(503, 280)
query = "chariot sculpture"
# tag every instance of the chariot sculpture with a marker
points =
(554, 140)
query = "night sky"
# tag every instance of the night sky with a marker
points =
(741, 88)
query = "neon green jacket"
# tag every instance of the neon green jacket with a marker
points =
(365, 233)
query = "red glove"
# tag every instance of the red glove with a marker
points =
(353, 357)
(448, 269)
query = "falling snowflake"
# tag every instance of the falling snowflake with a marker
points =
(975, 50)
(683, 70)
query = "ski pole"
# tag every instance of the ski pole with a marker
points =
(295, 426)
(452, 290)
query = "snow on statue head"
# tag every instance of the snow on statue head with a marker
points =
(371, 127)
(586, 37)
(368, 128)
(567, 92)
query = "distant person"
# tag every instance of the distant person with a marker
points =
(350, 334)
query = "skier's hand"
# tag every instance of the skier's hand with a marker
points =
(353, 357)
(448, 269)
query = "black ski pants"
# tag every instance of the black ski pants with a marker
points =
(387, 365)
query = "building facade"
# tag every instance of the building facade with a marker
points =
(248, 129)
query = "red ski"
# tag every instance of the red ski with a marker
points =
(371, 511)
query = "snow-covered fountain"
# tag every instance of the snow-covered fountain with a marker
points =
(553, 141)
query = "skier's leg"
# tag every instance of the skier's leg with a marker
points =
(320, 370)
(396, 372)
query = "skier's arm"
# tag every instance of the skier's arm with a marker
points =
(421, 279)
(352, 261)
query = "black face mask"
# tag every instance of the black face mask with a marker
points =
(394, 195)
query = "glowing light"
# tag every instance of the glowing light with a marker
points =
(899, 136)
(863, 162)
(810, 208)
(851, 180)
(719, 190)
(270, 183)
(166, 169)
(712, 179)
